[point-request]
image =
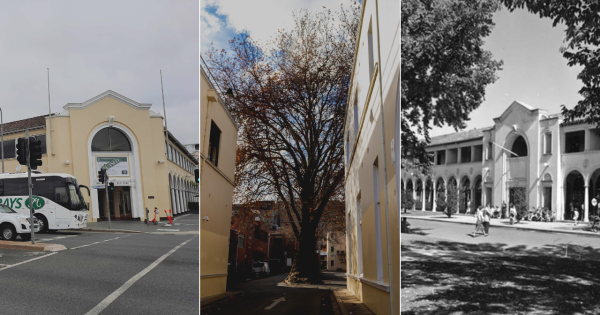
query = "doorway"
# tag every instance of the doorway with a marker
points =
(119, 202)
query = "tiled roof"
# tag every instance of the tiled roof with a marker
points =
(28, 123)
(458, 136)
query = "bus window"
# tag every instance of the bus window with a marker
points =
(75, 201)
(44, 186)
(61, 196)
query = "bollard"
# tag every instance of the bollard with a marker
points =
(171, 216)
(147, 211)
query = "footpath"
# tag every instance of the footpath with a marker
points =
(581, 228)
(189, 225)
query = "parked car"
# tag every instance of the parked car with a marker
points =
(261, 268)
(13, 224)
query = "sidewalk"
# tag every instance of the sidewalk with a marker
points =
(344, 302)
(550, 227)
(136, 226)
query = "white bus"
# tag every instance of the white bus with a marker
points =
(57, 199)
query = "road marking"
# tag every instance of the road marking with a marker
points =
(26, 261)
(113, 296)
(112, 239)
(275, 302)
(55, 238)
(170, 230)
(179, 217)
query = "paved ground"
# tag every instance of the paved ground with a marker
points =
(512, 271)
(256, 296)
(182, 224)
(107, 273)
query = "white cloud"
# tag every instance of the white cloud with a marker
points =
(263, 18)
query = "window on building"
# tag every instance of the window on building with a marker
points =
(490, 152)
(359, 236)
(332, 249)
(594, 139)
(441, 157)
(465, 155)
(355, 113)
(214, 143)
(477, 153)
(548, 143)
(370, 43)
(110, 139)
(332, 263)
(378, 244)
(452, 156)
(574, 141)
(519, 147)
(10, 149)
(431, 157)
(348, 151)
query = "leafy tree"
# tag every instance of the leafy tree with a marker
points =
(444, 68)
(289, 98)
(440, 201)
(452, 199)
(581, 47)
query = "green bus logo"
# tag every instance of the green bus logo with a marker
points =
(38, 203)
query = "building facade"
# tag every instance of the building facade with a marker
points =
(556, 163)
(372, 172)
(336, 252)
(218, 137)
(80, 139)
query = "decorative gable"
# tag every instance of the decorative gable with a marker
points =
(109, 93)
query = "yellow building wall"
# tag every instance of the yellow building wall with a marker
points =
(216, 192)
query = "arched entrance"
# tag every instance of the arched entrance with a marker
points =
(419, 199)
(477, 199)
(465, 194)
(574, 195)
(594, 192)
(410, 192)
(440, 190)
(115, 145)
(428, 194)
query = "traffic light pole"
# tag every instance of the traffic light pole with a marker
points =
(106, 190)
(31, 225)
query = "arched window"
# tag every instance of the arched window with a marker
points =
(110, 139)
(519, 147)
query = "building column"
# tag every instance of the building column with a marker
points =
(423, 194)
(586, 203)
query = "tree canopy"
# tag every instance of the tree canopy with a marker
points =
(445, 70)
(581, 47)
(289, 97)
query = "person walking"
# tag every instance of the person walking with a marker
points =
(513, 214)
(486, 221)
(478, 223)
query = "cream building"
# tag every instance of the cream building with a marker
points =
(526, 147)
(110, 125)
(218, 138)
(372, 170)
(336, 252)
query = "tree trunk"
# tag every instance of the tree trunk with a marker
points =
(305, 268)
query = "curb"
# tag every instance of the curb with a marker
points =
(39, 247)
(340, 309)
(582, 233)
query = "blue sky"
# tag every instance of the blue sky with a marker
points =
(534, 70)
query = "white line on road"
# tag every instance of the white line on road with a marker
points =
(275, 302)
(10, 266)
(112, 239)
(56, 238)
(179, 217)
(113, 296)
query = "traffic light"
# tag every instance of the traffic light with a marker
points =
(197, 174)
(102, 175)
(35, 153)
(22, 151)
(112, 186)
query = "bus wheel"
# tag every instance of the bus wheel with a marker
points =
(43, 224)
(25, 236)
(8, 232)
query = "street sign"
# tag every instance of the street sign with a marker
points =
(98, 186)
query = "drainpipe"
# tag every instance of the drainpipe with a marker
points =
(387, 230)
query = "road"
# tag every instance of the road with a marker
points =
(264, 296)
(507, 238)
(103, 273)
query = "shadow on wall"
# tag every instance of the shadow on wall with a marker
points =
(440, 277)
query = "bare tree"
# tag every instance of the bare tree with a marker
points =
(289, 98)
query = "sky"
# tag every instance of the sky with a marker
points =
(534, 70)
(221, 19)
(91, 47)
